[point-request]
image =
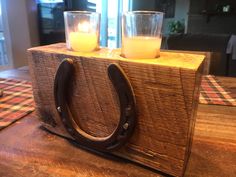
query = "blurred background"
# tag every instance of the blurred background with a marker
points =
(203, 25)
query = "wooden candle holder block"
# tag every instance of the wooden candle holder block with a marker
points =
(164, 91)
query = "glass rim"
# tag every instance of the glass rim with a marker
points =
(143, 12)
(75, 12)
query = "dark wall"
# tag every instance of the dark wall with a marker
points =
(144, 5)
(218, 23)
(76, 4)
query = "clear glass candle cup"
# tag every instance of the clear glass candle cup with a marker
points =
(82, 30)
(141, 34)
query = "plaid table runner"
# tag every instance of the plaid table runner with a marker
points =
(212, 92)
(16, 102)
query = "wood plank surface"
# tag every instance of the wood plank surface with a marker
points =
(20, 73)
(26, 150)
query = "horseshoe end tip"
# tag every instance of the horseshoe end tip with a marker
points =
(68, 60)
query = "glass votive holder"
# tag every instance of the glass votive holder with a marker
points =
(82, 30)
(141, 34)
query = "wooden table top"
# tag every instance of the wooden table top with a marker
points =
(27, 150)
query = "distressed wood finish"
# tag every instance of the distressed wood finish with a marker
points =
(35, 153)
(207, 62)
(166, 91)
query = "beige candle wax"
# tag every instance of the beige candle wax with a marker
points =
(141, 47)
(83, 40)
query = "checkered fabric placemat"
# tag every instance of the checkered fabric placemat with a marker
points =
(16, 102)
(212, 92)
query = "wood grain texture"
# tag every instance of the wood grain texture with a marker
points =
(166, 91)
(14, 73)
(207, 62)
(26, 150)
(37, 153)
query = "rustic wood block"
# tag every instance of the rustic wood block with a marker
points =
(166, 91)
(207, 61)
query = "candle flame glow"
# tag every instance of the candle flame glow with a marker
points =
(84, 27)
